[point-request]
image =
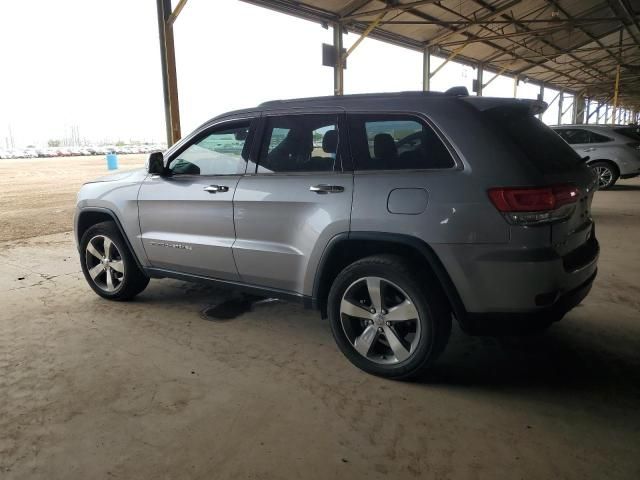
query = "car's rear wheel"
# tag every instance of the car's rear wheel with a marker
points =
(606, 173)
(388, 319)
(108, 265)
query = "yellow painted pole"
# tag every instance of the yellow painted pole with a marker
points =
(453, 55)
(615, 95)
(174, 15)
(364, 35)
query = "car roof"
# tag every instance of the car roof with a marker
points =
(396, 100)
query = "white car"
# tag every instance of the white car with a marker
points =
(613, 150)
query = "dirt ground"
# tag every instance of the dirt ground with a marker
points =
(37, 195)
(152, 389)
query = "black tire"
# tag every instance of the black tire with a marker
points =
(133, 280)
(610, 171)
(427, 298)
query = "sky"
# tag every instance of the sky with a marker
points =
(94, 66)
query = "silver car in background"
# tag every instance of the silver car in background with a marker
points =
(613, 150)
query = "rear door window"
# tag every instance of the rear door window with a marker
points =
(537, 142)
(300, 143)
(395, 142)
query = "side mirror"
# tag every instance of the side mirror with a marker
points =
(155, 163)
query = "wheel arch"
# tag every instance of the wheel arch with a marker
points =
(346, 248)
(87, 217)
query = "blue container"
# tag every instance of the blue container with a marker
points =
(112, 161)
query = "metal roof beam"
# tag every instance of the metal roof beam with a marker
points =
(389, 8)
(353, 6)
(441, 36)
(510, 35)
(586, 32)
(296, 9)
(544, 41)
(620, 6)
(625, 48)
(563, 22)
(488, 42)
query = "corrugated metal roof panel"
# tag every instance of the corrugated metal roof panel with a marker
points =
(569, 43)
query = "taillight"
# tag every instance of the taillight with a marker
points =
(535, 205)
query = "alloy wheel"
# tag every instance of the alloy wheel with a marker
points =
(605, 176)
(104, 263)
(380, 320)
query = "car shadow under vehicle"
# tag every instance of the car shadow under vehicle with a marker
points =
(578, 359)
(625, 188)
(231, 308)
(569, 358)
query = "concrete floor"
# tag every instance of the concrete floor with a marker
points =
(151, 389)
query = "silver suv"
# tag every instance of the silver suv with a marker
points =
(612, 151)
(391, 214)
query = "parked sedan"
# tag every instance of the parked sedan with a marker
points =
(613, 151)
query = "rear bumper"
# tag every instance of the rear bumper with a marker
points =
(518, 284)
(519, 322)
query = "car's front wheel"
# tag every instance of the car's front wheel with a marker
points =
(387, 318)
(108, 265)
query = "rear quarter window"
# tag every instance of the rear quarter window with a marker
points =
(632, 133)
(539, 144)
(396, 142)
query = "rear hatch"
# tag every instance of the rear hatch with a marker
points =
(558, 165)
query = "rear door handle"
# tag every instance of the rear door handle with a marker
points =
(216, 188)
(324, 189)
(590, 149)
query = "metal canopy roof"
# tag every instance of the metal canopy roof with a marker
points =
(570, 44)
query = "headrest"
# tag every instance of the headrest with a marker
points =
(299, 140)
(330, 141)
(384, 147)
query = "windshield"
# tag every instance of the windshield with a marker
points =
(538, 143)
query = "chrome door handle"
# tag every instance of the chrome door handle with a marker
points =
(590, 149)
(216, 188)
(324, 189)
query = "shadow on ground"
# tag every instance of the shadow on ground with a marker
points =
(570, 359)
(573, 359)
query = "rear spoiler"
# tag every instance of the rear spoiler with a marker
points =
(534, 107)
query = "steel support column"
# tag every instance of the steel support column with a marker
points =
(541, 98)
(169, 76)
(426, 69)
(338, 69)
(163, 62)
(578, 108)
(480, 79)
(515, 86)
(560, 106)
